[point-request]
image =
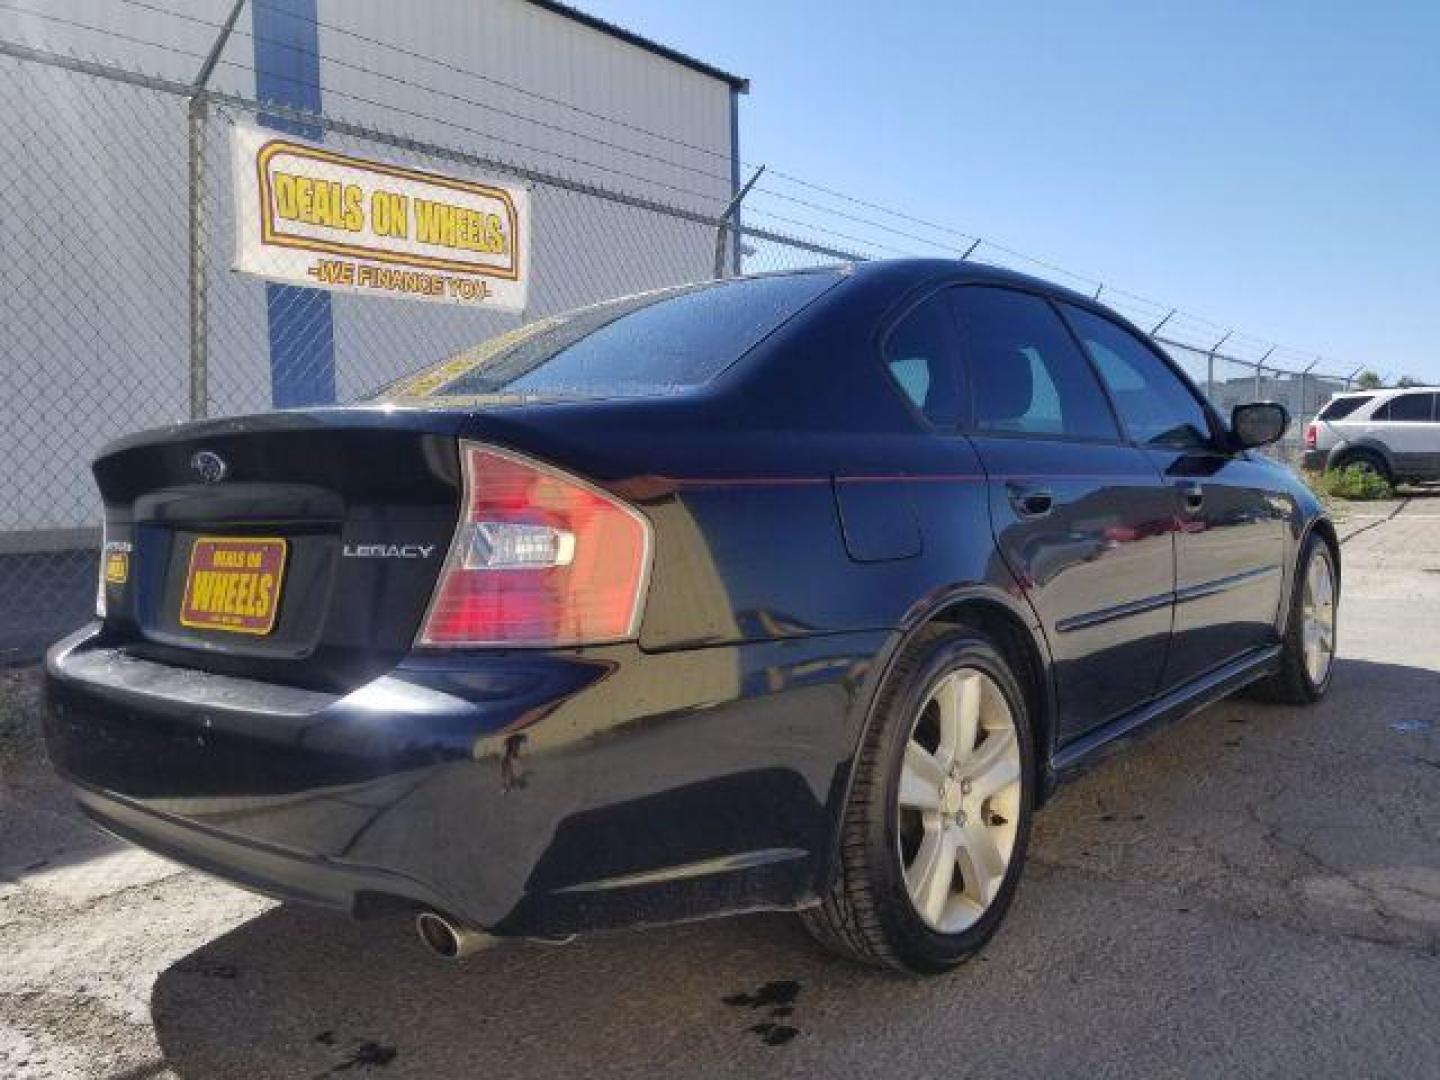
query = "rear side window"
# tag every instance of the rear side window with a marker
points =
(1341, 407)
(1156, 406)
(920, 353)
(1026, 374)
(640, 346)
(1415, 408)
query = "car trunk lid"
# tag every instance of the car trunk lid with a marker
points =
(297, 547)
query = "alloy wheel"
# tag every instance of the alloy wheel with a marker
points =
(1317, 612)
(959, 800)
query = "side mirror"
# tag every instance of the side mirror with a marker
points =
(1258, 423)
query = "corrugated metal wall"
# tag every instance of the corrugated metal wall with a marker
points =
(581, 250)
(94, 178)
(532, 49)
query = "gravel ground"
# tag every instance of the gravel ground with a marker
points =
(1256, 891)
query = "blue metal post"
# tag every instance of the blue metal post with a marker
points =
(302, 328)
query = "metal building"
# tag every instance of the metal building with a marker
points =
(94, 288)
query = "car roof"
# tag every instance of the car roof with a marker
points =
(1385, 391)
(916, 270)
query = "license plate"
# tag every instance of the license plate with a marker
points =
(233, 584)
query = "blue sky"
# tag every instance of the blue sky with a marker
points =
(1273, 167)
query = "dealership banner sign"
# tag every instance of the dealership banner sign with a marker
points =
(308, 215)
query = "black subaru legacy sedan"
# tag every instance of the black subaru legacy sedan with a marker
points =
(792, 592)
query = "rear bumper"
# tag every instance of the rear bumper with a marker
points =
(261, 868)
(527, 793)
(1314, 460)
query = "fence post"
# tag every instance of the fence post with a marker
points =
(1210, 366)
(1260, 374)
(1304, 379)
(722, 226)
(197, 113)
(199, 360)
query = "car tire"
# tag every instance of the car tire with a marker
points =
(950, 685)
(1296, 681)
(1368, 460)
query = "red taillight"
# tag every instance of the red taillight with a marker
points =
(1312, 435)
(539, 558)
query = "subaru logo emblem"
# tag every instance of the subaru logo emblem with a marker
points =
(209, 466)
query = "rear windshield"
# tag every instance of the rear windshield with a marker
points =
(640, 346)
(1341, 407)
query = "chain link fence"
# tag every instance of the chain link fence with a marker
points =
(121, 312)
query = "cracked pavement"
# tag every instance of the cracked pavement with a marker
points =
(1254, 891)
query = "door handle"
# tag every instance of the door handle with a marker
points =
(1031, 502)
(1192, 497)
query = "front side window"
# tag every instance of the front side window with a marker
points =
(1026, 374)
(1412, 408)
(655, 343)
(1156, 407)
(920, 354)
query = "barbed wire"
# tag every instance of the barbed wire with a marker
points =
(571, 132)
(993, 249)
(374, 103)
(108, 335)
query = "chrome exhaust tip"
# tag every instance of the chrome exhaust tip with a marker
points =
(447, 939)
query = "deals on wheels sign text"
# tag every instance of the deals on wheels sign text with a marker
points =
(311, 216)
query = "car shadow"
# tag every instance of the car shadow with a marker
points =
(299, 993)
(41, 834)
(313, 994)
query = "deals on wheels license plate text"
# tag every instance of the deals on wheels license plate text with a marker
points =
(233, 583)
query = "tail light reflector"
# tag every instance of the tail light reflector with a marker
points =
(539, 558)
(1311, 435)
(100, 605)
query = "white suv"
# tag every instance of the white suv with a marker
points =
(1396, 433)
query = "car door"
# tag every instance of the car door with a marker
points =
(1230, 510)
(1079, 517)
(1406, 426)
(1427, 443)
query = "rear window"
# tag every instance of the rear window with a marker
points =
(1341, 407)
(640, 346)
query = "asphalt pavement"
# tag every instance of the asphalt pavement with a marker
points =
(1253, 892)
